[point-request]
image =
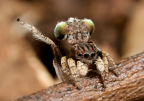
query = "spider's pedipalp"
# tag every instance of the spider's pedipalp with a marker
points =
(36, 33)
(82, 68)
(100, 65)
(105, 61)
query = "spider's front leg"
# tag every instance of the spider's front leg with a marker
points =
(38, 35)
(107, 58)
(102, 66)
(74, 74)
(102, 70)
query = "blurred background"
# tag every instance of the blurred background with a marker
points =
(26, 63)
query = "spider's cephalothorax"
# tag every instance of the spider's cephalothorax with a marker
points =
(84, 54)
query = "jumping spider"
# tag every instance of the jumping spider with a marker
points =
(84, 55)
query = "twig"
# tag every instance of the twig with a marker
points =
(128, 85)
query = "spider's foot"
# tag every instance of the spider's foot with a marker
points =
(103, 89)
(116, 72)
(79, 87)
(104, 86)
(77, 84)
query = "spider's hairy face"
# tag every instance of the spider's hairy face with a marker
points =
(77, 33)
(85, 52)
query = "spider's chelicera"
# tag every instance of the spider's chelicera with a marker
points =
(84, 55)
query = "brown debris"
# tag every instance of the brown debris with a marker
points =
(127, 86)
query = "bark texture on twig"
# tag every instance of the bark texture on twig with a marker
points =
(128, 85)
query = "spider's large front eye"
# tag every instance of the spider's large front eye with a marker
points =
(86, 55)
(92, 54)
(90, 26)
(59, 31)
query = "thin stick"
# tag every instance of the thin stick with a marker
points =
(127, 86)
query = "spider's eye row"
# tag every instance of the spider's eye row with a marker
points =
(90, 26)
(59, 31)
(86, 55)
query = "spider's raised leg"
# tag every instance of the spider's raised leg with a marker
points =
(38, 35)
(105, 54)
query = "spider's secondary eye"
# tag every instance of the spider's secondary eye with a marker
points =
(92, 54)
(79, 54)
(59, 31)
(90, 26)
(86, 55)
